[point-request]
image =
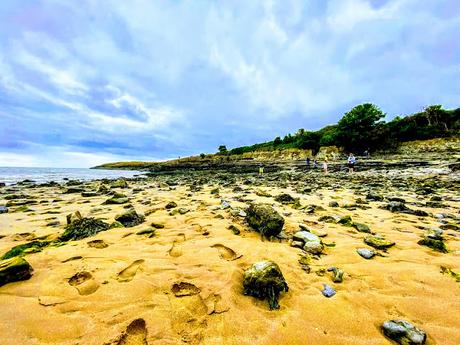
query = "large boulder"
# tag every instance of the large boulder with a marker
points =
(264, 219)
(130, 218)
(264, 280)
(403, 332)
(13, 270)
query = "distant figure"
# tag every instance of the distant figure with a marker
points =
(366, 154)
(325, 165)
(315, 164)
(351, 163)
(261, 170)
(308, 162)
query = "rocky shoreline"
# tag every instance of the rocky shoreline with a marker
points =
(193, 253)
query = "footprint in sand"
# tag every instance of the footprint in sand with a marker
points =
(135, 334)
(226, 253)
(184, 289)
(84, 283)
(129, 272)
(175, 250)
(100, 244)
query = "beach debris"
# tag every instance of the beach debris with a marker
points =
(14, 269)
(264, 280)
(264, 219)
(403, 332)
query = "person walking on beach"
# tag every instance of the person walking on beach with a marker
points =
(315, 164)
(261, 170)
(308, 162)
(351, 163)
(325, 165)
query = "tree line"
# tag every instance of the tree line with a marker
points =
(363, 129)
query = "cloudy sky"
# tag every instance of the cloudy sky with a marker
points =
(93, 81)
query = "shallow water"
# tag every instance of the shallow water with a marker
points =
(11, 175)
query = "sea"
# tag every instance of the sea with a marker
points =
(12, 175)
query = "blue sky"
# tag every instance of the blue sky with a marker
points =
(87, 82)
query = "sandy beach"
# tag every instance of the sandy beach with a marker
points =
(118, 287)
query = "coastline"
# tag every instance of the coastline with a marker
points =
(127, 274)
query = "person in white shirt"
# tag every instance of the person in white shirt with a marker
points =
(351, 163)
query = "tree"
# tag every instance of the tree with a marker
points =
(222, 149)
(277, 141)
(355, 131)
(202, 155)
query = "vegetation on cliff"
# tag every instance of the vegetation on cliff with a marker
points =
(362, 129)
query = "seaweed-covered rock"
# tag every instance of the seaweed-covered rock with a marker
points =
(362, 227)
(345, 220)
(372, 196)
(82, 228)
(435, 244)
(264, 280)
(333, 204)
(264, 219)
(116, 201)
(396, 206)
(285, 199)
(13, 270)
(378, 242)
(72, 190)
(89, 194)
(26, 248)
(130, 218)
(403, 332)
(120, 183)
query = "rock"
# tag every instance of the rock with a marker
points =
(82, 228)
(346, 220)
(264, 280)
(130, 218)
(297, 244)
(72, 190)
(403, 332)
(337, 274)
(285, 199)
(328, 291)
(328, 219)
(2, 184)
(89, 194)
(120, 183)
(224, 205)
(366, 253)
(3, 209)
(157, 225)
(374, 197)
(396, 206)
(13, 270)
(378, 242)
(116, 224)
(305, 236)
(264, 219)
(26, 248)
(170, 205)
(362, 227)
(150, 232)
(116, 201)
(73, 216)
(184, 289)
(234, 229)
(333, 204)
(435, 244)
(313, 247)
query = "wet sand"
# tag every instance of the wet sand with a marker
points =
(124, 293)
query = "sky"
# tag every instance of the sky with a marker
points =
(88, 82)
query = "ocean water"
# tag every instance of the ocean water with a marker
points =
(11, 175)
